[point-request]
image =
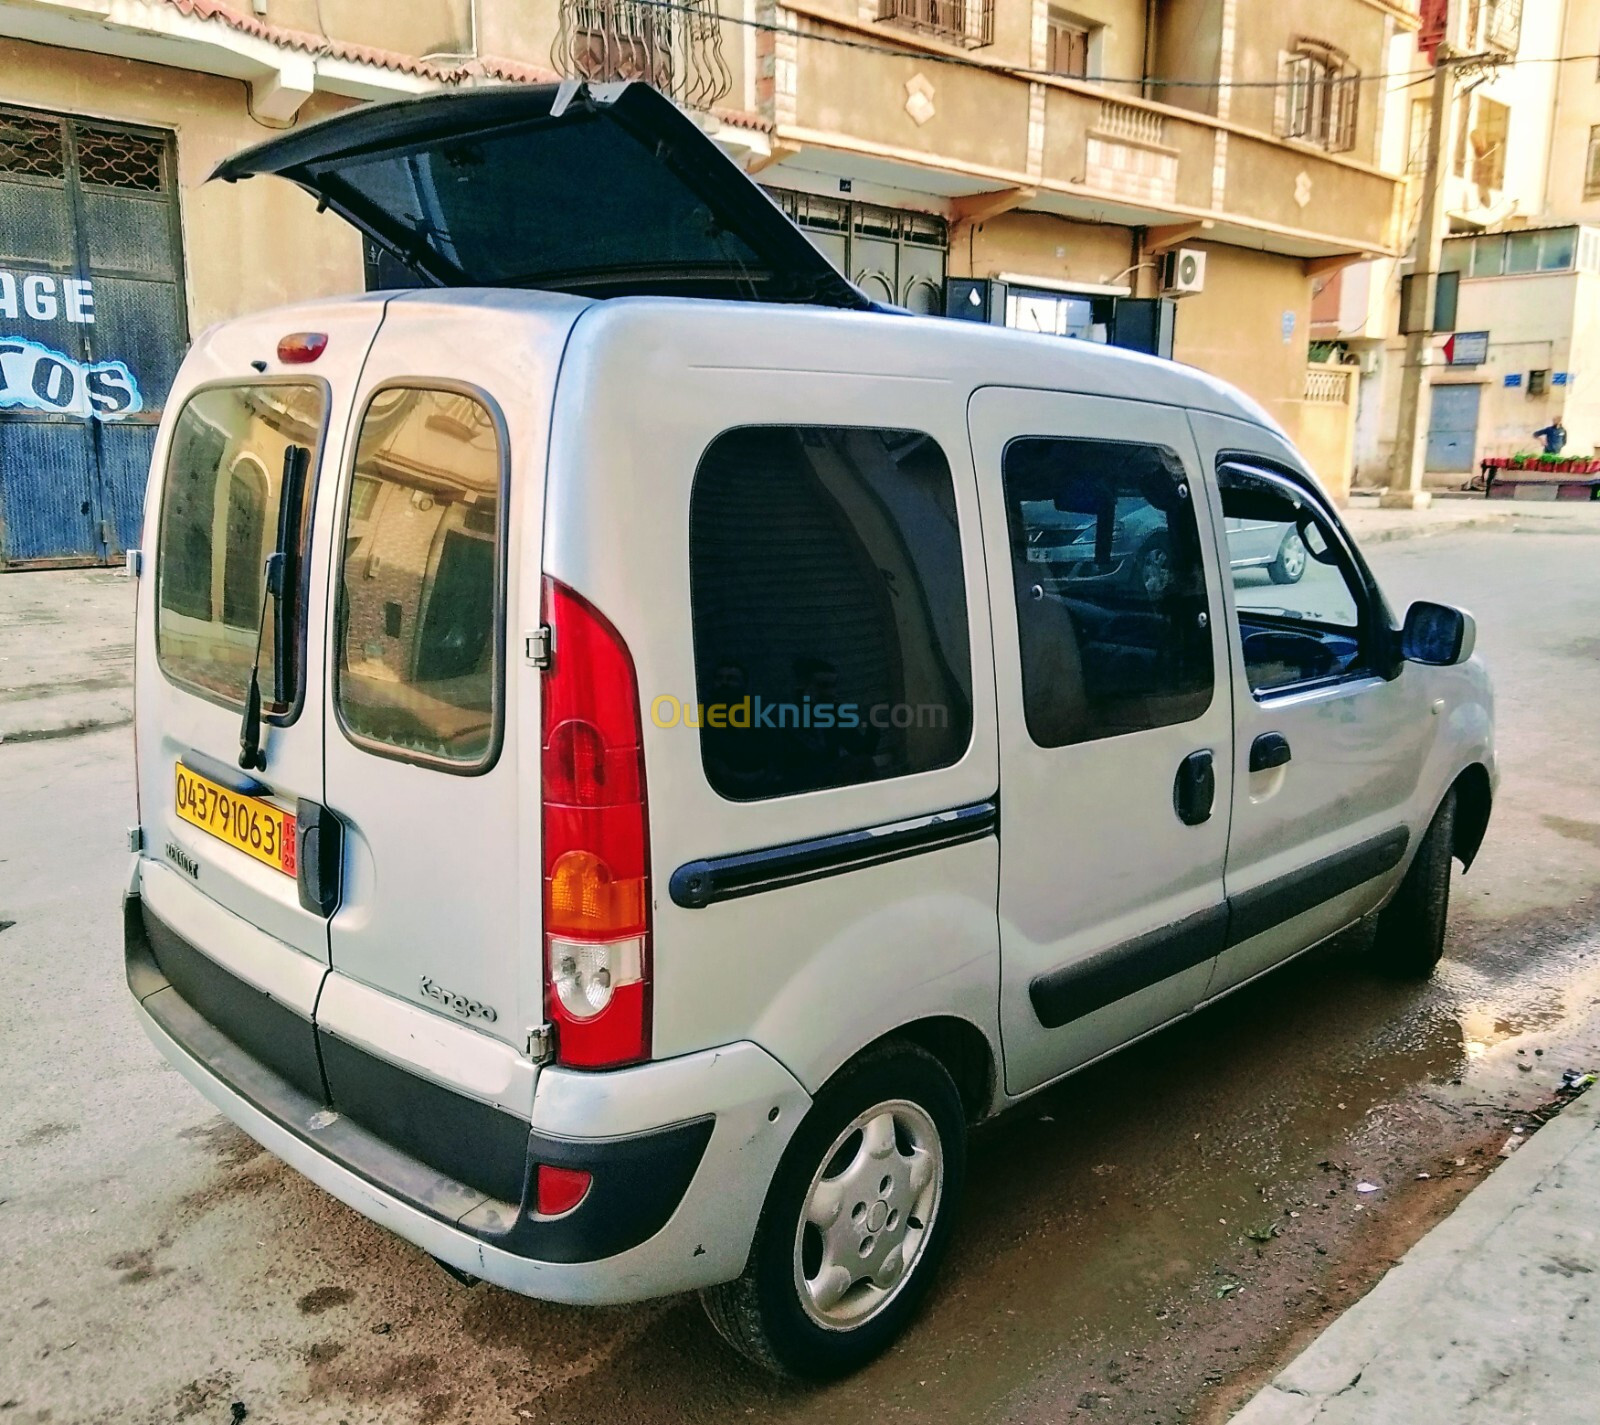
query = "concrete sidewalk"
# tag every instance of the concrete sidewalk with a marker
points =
(1493, 1317)
(66, 652)
(1450, 514)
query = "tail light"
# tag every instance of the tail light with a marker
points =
(559, 1190)
(596, 847)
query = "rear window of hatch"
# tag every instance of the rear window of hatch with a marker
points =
(221, 517)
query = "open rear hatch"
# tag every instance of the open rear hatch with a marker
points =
(599, 190)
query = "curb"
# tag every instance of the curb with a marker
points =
(1514, 523)
(1339, 1358)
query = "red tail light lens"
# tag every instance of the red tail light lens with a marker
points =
(300, 348)
(558, 1190)
(596, 848)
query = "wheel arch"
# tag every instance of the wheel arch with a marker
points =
(963, 1049)
(1474, 798)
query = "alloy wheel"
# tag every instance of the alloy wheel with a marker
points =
(867, 1214)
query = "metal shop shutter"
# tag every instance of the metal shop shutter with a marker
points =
(92, 328)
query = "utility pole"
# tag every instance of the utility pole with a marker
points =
(1409, 459)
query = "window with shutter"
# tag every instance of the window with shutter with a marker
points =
(1068, 49)
(1319, 97)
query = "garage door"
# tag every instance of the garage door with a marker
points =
(92, 327)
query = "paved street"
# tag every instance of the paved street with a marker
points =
(1149, 1242)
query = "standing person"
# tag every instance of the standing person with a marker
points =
(1554, 437)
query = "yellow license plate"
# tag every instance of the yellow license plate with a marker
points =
(249, 824)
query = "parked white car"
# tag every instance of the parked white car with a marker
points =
(650, 805)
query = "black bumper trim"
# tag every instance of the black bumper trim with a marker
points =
(639, 1179)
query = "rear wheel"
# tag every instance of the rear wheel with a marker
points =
(855, 1223)
(1290, 563)
(1410, 935)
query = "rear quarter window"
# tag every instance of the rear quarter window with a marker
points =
(218, 523)
(831, 638)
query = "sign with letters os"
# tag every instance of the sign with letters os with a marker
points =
(37, 377)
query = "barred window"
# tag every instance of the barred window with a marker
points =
(113, 158)
(1319, 96)
(32, 145)
(969, 23)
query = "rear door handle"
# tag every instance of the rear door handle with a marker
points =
(1269, 750)
(1194, 789)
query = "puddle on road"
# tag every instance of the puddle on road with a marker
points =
(1105, 1221)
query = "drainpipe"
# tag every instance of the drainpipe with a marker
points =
(1149, 50)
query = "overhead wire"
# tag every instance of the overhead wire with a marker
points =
(934, 56)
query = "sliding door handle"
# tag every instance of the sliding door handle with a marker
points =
(1269, 750)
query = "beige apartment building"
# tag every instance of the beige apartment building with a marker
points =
(1059, 153)
(1521, 188)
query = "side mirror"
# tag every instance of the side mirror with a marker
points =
(1438, 634)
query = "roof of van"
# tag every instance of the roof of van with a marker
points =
(749, 336)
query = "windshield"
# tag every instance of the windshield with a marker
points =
(219, 522)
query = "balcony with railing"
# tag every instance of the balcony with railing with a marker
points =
(1494, 25)
(1077, 148)
(678, 47)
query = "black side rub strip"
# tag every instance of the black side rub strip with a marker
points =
(1061, 996)
(1280, 900)
(1073, 991)
(719, 878)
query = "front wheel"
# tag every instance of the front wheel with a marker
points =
(1410, 937)
(856, 1220)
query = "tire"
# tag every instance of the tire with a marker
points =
(769, 1314)
(1410, 935)
(1289, 566)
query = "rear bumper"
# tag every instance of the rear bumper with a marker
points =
(681, 1151)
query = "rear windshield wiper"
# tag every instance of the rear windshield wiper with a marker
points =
(281, 580)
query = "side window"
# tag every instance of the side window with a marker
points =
(1300, 604)
(418, 667)
(220, 514)
(1110, 588)
(829, 607)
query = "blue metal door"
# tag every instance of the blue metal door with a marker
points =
(92, 328)
(1453, 428)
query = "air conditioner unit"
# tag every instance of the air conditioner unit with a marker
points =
(1183, 272)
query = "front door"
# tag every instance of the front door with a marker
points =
(1115, 721)
(1453, 428)
(1330, 738)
